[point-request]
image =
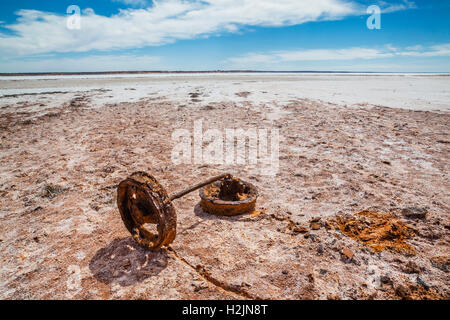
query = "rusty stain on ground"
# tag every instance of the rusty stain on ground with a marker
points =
(379, 231)
(417, 292)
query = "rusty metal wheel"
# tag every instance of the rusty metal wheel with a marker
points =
(143, 204)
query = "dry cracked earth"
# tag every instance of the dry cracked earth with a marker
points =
(61, 235)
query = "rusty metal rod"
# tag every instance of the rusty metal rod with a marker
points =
(197, 186)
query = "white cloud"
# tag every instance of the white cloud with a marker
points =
(347, 59)
(133, 3)
(166, 21)
(388, 51)
(415, 48)
(393, 7)
(442, 50)
(93, 63)
(340, 54)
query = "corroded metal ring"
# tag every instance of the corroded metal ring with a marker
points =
(211, 202)
(143, 202)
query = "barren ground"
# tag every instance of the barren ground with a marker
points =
(61, 235)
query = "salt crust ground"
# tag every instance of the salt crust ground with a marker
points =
(63, 154)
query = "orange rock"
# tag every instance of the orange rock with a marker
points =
(255, 213)
(348, 253)
(315, 226)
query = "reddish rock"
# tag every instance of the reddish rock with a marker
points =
(348, 253)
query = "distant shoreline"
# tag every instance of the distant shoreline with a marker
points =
(409, 91)
(204, 72)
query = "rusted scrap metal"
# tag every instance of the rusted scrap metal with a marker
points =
(198, 186)
(143, 202)
(228, 197)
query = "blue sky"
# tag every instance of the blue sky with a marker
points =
(315, 35)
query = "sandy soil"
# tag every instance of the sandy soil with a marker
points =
(63, 152)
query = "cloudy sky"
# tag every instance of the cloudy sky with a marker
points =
(332, 35)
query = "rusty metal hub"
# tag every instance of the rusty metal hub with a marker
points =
(228, 197)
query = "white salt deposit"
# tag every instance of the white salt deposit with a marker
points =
(409, 91)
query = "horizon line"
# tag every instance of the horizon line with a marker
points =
(205, 71)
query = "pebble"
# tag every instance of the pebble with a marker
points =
(320, 249)
(299, 229)
(422, 283)
(415, 212)
(442, 263)
(315, 226)
(385, 279)
(348, 253)
(402, 291)
(411, 267)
